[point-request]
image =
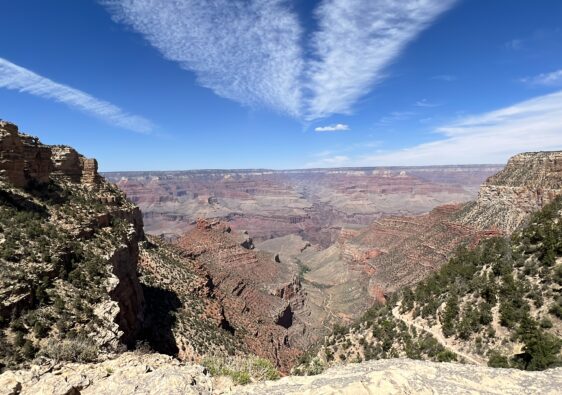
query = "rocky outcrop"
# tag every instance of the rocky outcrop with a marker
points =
(135, 374)
(528, 182)
(397, 376)
(68, 163)
(128, 374)
(67, 238)
(23, 159)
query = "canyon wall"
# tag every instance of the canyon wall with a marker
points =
(399, 251)
(69, 248)
(528, 182)
(315, 203)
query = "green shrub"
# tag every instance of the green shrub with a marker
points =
(242, 370)
(496, 360)
(446, 356)
(79, 349)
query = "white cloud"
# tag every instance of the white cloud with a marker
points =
(20, 79)
(532, 125)
(253, 51)
(548, 79)
(246, 51)
(339, 127)
(356, 41)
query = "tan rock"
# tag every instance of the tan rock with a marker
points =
(397, 376)
(9, 384)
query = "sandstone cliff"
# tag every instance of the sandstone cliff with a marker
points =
(528, 182)
(68, 255)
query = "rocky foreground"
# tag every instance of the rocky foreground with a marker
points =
(158, 374)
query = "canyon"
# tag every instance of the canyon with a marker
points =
(321, 246)
(236, 265)
(313, 203)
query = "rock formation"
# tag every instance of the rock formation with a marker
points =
(528, 182)
(23, 159)
(69, 248)
(156, 374)
(399, 376)
(256, 296)
(313, 203)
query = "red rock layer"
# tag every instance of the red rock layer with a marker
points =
(254, 304)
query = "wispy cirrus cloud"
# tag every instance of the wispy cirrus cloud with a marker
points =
(246, 51)
(255, 52)
(356, 41)
(338, 127)
(17, 78)
(553, 78)
(532, 125)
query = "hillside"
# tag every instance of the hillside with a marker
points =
(79, 281)
(497, 304)
(68, 253)
(364, 265)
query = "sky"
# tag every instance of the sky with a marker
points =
(231, 84)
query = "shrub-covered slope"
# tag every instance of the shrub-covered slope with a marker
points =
(498, 304)
(68, 255)
(80, 282)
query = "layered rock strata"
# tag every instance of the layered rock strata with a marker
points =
(69, 248)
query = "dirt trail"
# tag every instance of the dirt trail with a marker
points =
(447, 343)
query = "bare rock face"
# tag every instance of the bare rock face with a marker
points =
(397, 376)
(135, 374)
(128, 374)
(256, 295)
(528, 182)
(68, 163)
(22, 158)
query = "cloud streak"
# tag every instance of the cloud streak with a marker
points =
(246, 51)
(339, 127)
(547, 79)
(17, 78)
(356, 41)
(532, 125)
(255, 52)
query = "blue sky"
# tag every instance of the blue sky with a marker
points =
(155, 85)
